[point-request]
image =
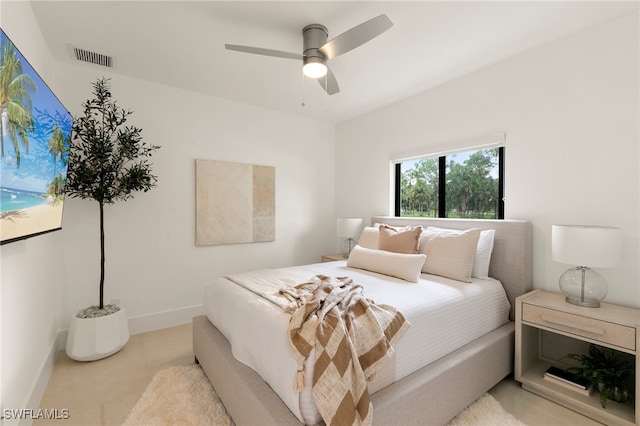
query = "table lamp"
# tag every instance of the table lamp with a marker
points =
(587, 247)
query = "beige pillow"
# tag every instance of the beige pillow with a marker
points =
(403, 266)
(450, 253)
(399, 240)
(370, 234)
(369, 237)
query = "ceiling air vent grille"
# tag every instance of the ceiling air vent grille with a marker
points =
(92, 57)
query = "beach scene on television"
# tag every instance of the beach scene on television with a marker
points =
(35, 131)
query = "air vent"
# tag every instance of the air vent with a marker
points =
(92, 57)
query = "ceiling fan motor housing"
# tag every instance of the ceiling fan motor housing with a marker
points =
(316, 51)
(314, 36)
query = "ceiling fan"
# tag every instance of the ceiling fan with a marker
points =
(316, 50)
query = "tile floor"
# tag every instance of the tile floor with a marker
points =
(103, 392)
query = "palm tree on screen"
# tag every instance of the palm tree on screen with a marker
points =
(57, 148)
(15, 101)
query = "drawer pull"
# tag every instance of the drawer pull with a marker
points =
(563, 323)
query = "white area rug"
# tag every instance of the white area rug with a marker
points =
(183, 396)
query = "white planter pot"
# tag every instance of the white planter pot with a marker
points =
(91, 339)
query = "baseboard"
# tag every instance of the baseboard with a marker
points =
(149, 322)
(165, 319)
(38, 387)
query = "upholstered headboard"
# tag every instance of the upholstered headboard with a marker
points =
(512, 250)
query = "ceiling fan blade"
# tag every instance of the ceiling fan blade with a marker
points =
(331, 83)
(261, 51)
(356, 36)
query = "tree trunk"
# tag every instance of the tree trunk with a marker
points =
(101, 254)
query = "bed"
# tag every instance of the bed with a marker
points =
(434, 393)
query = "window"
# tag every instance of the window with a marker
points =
(466, 184)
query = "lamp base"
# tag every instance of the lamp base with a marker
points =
(586, 302)
(347, 246)
(583, 287)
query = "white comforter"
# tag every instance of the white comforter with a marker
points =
(444, 315)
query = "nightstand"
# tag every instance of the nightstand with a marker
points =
(333, 257)
(547, 328)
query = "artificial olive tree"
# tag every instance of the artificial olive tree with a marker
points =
(108, 161)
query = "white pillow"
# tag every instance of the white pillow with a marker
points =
(483, 254)
(399, 265)
(450, 253)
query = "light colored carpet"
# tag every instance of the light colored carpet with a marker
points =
(485, 411)
(183, 396)
(179, 395)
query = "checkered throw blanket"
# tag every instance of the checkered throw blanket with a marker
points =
(352, 337)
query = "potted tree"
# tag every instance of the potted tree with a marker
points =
(108, 162)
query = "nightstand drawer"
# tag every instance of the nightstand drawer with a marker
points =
(602, 331)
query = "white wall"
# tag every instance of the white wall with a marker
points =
(570, 113)
(152, 263)
(565, 108)
(29, 283)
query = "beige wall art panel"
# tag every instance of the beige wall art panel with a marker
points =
(235, 203)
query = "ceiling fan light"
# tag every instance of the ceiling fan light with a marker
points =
(314, 68)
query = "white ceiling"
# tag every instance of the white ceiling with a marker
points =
(181, 44)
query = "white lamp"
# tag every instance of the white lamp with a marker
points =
(349, 228)
(585, 246)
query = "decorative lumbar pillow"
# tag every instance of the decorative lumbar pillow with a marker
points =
(450, 253)
(399, 265)
(369, 237)
(399, 240)
(483, 254)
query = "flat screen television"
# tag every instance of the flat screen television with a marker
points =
(34, 146)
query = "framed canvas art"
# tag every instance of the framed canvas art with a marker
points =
(235, 203)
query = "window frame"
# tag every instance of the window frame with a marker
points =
(442, 178)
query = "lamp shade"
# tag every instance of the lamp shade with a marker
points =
(591, 246)
(349, 227)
